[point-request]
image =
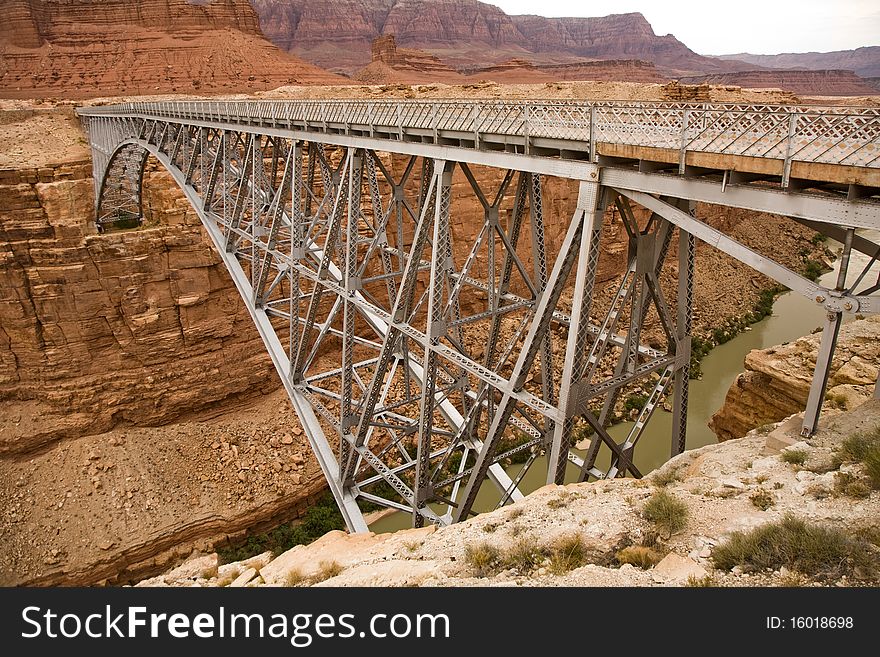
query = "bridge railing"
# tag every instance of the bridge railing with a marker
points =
(832, 135)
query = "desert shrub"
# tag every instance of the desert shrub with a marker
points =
(791, 542)
(794, 456)
(762, 499)
(857, 446)
(482, 558)
(639, 556)
(665, 476)
(700, 582)
(567, 553)
(523, 555)
(294, 578)
(328, 569)
(229, 577)
(863, 448)
(667, 512)
(872, 466)
(846, 483)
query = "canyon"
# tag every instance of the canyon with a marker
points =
(337, 35)
(141, 418)
(824, 82)
(64, 48)
(864, 61)
(132, 373)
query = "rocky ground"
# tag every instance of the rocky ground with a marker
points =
(726, 488)
(776, 381)
(111, 506)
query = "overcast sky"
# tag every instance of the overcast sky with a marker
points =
(720, 27)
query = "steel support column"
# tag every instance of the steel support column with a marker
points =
(827, 344)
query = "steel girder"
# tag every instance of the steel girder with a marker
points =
(420, 357)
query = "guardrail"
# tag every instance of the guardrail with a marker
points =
(829, 135)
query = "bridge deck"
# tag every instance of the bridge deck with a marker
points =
(839, 145)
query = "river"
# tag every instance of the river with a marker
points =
(793, 316)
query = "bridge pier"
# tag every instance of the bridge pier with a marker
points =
(418, 358)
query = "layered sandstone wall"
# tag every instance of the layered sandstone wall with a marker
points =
(97, 330)
(337, 34)
(523, 70)
(823, 82)
(776, 381)
(864, 61)
(87, 48)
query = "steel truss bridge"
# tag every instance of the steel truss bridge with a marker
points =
(418, 360)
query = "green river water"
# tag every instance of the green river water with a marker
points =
(793, 316)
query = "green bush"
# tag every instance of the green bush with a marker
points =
(700, 347)
(321, 518)
(635, 402)
(810, 549)
(813, 269)
(667, 512)
(507, 443)
(794, 456)
(762, 499)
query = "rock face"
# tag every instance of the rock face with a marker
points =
(622, 36)
(776, 381)
(97, 330)
(522, 70)
(81, 48)
(389, 63)
(816, 82)
(865, 62)
(336, 35)
(125, 505)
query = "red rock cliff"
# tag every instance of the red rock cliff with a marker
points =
(81, 48)
(337, 33)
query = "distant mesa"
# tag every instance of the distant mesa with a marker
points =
(479, 39)
(827, 83)
(390, 63)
